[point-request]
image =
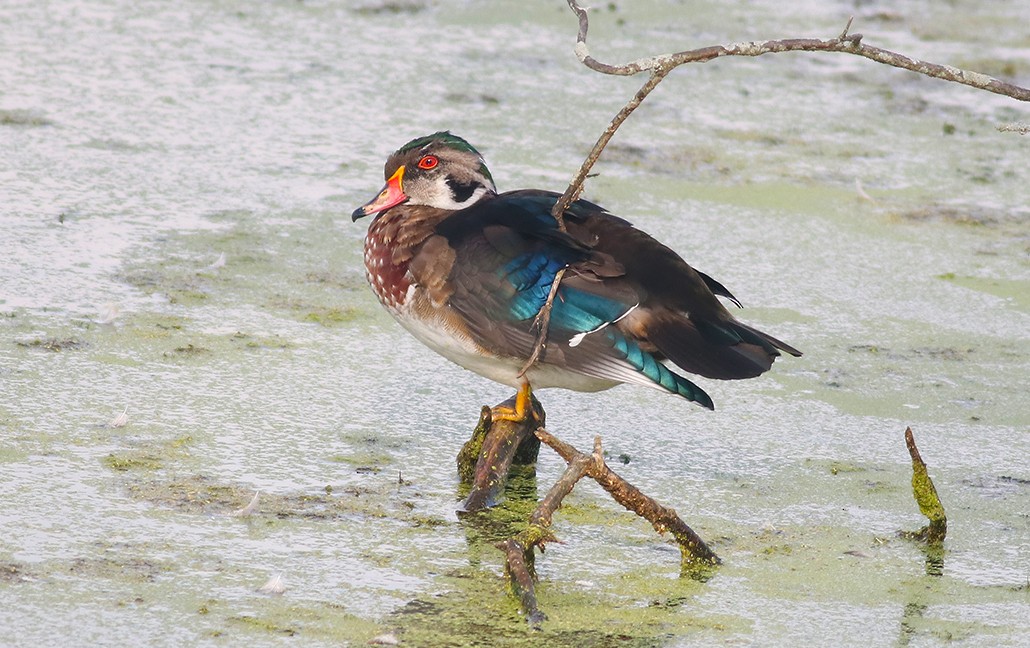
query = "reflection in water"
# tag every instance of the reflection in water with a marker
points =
(487, 527)
(909, 622)
(934, 558)
(912, 617)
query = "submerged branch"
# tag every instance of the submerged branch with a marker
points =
(926, 496)
(521, 577)
(496, 443)
(484, 463)
(519, 550)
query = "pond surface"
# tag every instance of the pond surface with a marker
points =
(175, 190)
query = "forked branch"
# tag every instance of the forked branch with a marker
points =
(697, 558)
(659, 66)
(694, 552)
(845, 43)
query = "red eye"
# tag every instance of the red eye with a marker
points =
(428, 162)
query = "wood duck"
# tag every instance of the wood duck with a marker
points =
(466, 270)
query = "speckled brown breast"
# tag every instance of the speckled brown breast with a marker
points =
(386, 273)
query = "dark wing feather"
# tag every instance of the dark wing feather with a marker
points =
(508, 252)
(718, 289)
(680, 316)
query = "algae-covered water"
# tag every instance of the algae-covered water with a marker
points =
(184, 322)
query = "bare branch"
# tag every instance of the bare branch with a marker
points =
(576, 470)
(845, 43)
(659, 66)
(694, 550)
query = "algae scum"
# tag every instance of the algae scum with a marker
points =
(184, 323)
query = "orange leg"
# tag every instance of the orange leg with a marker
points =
(523, 405)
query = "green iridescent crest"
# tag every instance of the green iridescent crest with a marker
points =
(452, 141)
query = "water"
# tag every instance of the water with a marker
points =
(143, 141)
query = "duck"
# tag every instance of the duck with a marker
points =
(467, 271)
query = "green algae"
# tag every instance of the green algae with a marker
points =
(112, 565)
(331, 316)
(1015, 291)
(136, 461)
(53, 344)
(265, 625)
(470, 450)
(149, 456)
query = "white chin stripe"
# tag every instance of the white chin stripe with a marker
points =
(451, 204)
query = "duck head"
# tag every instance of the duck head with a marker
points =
(439, 170)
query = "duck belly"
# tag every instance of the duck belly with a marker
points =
(459, 348)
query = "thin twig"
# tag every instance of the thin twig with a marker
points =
(1021, 128)
(847, 27)
(542, 322)
(575, 187)
(572, 193)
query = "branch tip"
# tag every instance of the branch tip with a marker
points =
(598, 455)
(847, 27)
